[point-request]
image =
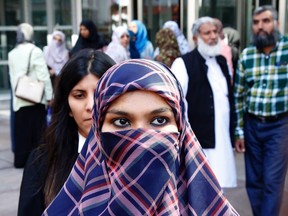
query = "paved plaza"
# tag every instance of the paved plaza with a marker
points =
(10, 177)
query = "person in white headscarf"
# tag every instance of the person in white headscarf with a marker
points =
(118, 47)
(56, 53)
(183, 44)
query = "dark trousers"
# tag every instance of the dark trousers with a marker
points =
(266, 160)
(12, 121)
(29, 125)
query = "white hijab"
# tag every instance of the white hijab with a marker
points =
(115, 49)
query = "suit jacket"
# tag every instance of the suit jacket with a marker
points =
(200, 98)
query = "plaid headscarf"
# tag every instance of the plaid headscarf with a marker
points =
(142, 171)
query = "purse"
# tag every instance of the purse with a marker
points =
(29, 89)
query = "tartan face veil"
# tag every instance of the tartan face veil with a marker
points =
(140, 171)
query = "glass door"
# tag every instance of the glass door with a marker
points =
(10, 16)
(156, 13)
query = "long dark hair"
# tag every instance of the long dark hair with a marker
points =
(61, 138)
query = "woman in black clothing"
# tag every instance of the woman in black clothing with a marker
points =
(50, 164)
(88, 37)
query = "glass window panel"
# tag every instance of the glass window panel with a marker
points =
(265, 2)
(225, 10)
(97, 11)
(39, 16)
(185, 17)
(11, 13)
(156, 13)
(62, 12)
(4, 80)
(40, 38)
(105, 22)
(286, 18)
(8, 41)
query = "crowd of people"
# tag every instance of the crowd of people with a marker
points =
(105, 144)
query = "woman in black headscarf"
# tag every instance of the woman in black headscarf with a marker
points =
(88, 37)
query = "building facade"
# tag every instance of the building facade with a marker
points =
(65, 15)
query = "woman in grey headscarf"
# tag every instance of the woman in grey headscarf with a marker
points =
(56, 53)
(183, 44)
(30, 118)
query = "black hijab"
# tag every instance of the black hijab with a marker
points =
(93, 41)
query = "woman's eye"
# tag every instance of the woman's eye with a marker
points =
(159, 121)
(79, 95)
(122, 122)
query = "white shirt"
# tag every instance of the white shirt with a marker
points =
(81, 142)
(221, 158)
(179, 69)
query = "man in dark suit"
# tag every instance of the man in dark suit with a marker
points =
(205, 79)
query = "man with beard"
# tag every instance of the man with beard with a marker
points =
(204, 76)
(261, 107)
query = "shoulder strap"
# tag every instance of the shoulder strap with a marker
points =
(28, 68)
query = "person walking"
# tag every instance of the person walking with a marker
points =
(56, 54)
(118, 48)
(30, 118)
(226, 50)
(140, 158)
(88, 37)
(206, 82)
(183, 44)
(143, 46)
(167, 47)
(261, 106)
(49, 165)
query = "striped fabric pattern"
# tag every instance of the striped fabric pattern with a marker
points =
(140, 172)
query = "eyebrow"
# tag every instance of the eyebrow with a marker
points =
(77, 90)
(118, 112)
(157, 111)
(161, 110)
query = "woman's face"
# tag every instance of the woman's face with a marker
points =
(84, 31)
(81, 100)
(133, 27)
(124, 40)
(139, 109)
(58, 39)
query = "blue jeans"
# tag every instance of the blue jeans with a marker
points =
(266, 160)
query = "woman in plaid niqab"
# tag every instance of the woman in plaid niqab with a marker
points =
(140, 171)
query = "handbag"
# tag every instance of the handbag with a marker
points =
(29, 89)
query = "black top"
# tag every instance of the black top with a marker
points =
(94, 41)
(200, 98)
(31, 200)
(134, 54)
